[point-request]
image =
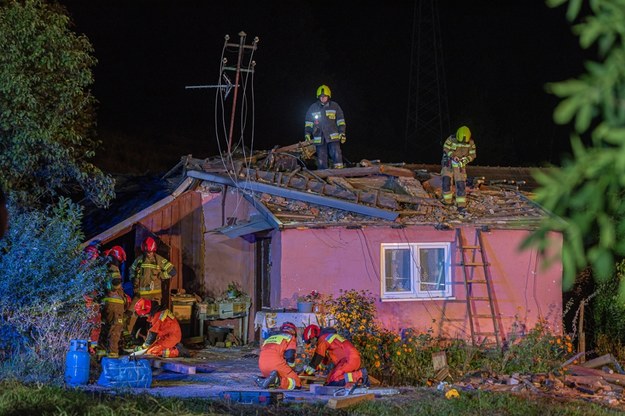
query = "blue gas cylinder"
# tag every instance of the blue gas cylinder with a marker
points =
(77, 363)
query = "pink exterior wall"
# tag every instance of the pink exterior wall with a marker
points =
(226, 259)
(336, 258)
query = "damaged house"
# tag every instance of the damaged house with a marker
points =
(281, 231)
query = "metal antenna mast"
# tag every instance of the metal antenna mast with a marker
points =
(427, 121)
(241, 45)
(228, 85)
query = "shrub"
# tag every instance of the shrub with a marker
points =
(42, 284)
(406, 358)
(608, 311)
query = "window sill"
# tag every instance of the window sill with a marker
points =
(416, 299)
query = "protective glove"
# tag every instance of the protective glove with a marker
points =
(343, 138)
(309, 370)
(455, 164)
(308, 137)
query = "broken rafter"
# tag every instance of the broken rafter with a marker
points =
(298, 195)
(366, 171)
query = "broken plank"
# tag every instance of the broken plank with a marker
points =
(348, 172)
(601, 361)
(342, 182)
(343, 402)
(395, 171)
(176, 367)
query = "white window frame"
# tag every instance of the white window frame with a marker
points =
(416, 293)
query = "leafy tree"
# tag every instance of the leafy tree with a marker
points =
(586, 193)
(46, 109)
(42, 284)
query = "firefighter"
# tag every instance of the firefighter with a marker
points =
(164, 335)
(325, 128)
(91, 254)
(458, 152)
(337, 350)
(277, 359)
(147, 273)
(115, 303)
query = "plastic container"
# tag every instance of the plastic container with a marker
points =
(304, 307)
(77, 363)
(125, 372)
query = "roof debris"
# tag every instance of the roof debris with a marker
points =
(413, 195)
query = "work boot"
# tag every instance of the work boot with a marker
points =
(270, 381)
(182, 350)
(462, 211)
(364, 380)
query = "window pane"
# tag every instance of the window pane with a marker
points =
(397, 270)
(432, 261)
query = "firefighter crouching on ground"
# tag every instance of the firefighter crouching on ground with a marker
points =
(114, 303)
(458, 152)
(277, 360)
(340, 352)
(146, 273)
(164, 335)
(325, 128)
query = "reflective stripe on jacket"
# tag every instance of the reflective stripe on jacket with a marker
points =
(324, 121)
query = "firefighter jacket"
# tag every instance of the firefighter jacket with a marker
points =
(324, 123)
(146, 274)
(453, 149)
(335, 347)
(278, 348)
(166, 329)
(114, 292)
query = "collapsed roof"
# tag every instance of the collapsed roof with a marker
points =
(287, 194)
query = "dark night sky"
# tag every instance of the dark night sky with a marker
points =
(497, 55)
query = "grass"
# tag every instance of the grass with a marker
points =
(20, 399)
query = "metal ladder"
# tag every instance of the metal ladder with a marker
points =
(473, 259)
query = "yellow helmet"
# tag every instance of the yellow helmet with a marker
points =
(324, 90)
(463, 134)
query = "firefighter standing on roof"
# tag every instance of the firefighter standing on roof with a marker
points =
(325, 128)
(146, 273)
(340, 352)
(458, 152)
(277, 359)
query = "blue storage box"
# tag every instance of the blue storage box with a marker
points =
(125, 372)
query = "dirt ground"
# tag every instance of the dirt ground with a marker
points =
(236, 369)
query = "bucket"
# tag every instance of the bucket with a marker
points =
(217, 334)
(77, 363)
(304, 307)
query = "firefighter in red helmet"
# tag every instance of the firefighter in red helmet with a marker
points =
(91, 254)
(147, 273)
(339, 351)
(164, 335)
(277, 360)
(115, 303)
